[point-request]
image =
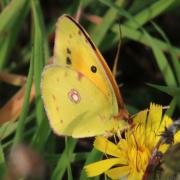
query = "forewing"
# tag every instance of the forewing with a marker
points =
(74, 48)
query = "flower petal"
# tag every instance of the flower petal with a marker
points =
(166, 122)
(133, 151)
(154, 117)
(123, 144)
(118, 172)
(136, 175)
(140, 118)
(104, 145)
(177, 137)
(100, 167)
(163, 148)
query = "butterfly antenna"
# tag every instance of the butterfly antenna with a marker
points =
(79, 12)
(117, 53)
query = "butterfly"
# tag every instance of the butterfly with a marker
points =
(80, 95)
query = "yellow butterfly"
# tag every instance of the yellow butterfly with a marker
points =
(80, 95)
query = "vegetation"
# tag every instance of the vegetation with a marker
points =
(148, 70)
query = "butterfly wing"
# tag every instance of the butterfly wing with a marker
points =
(74, 48)
(75, 105)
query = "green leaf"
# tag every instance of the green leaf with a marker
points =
(149, 13)
(6, 129)
(175, 60)
(162, 62)
(172, 106)
(64, 160)
(38, 55)
(137, 36)
(8, 37)
(11, 13)
(2, 163)
(22, 118)
(171, 90)
(99, 31)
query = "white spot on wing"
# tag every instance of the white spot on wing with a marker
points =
(74, 96)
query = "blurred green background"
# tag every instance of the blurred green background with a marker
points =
(148, 69)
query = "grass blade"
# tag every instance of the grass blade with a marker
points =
(38, 55)
(172, 105)
(175, 61)
(2, 163)
(162, 62)
(138, 36)
(68, 156)
(10, 13)
(8, 40)
(63, 161)
(22, 118)
(99, 32)
(171, 90)
(149, 13)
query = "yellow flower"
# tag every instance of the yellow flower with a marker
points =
(129, 158)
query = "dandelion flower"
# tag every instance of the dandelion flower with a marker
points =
(130, 156)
